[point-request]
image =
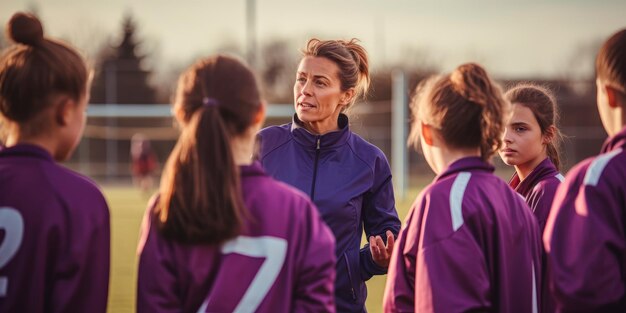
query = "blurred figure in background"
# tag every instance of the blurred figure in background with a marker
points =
(54, 242)
(143, 162)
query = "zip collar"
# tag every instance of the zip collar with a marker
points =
(544, 170)
(254, 169)
(313, 141)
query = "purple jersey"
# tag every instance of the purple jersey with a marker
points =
(54, 238)
(470, 243)
(284, 261)
(538, 189)
(585, 234)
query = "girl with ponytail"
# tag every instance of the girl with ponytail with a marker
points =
(54, 223)
(470, 242)
(531, 145)
(348, 178)
(221, 235)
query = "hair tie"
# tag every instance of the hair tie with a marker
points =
(209, 102)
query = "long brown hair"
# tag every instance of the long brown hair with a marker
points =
(466, 106)
(350, 57)
(611, 61)
(200, 196)
(542, 103)
(34, 70)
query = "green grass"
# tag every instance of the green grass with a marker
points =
(127, 206)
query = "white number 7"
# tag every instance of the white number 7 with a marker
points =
(274, 250)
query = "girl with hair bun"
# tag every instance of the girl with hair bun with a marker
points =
(222, 235)
(347, 177)
(531, 145)
(470, 243)
(54, 252)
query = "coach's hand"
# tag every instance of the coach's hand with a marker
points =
(380, 253)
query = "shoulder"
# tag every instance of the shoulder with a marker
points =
(605, 166)
(272, 137)
(77, 192)
(368, 153)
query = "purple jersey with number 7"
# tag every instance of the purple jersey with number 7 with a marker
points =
(283, 261)
(54, 236)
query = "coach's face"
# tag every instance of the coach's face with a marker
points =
(318, 98)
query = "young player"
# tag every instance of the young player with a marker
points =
(470, 243)
(54, 247)
(348, 178)
(585, 233)
(222, 236)
(144, 162)
(531, 143)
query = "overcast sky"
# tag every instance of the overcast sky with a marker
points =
(513, 39)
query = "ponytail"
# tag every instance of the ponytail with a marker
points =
(200, 198)
(466, 106)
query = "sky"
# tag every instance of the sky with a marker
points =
(512, 39)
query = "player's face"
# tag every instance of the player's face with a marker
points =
(318, 98)
(523, 140)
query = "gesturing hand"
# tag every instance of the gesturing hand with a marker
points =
(380, 253)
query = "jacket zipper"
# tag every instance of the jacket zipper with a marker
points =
(317, 156)
(345, 257)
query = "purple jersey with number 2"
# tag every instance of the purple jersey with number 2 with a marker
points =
(283, 261)
(54, 236)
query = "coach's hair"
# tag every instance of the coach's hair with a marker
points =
(542, 103)
(200, 197)
(34, 70)
(350, 57)
(466, 107)
(611, 61)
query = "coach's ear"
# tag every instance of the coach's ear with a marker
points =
(427, 133)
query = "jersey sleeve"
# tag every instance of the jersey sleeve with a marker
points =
(157, 288)
(585, 242)
(315, 282)
(379, 215)
(81, 276)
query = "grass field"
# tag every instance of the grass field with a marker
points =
(127, 206)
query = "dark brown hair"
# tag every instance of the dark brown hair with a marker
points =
(350, 57)
(466, 106)
(36, 69)
(611, 61)
(542, 103)
(200, 197)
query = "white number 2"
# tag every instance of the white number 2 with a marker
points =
(274, 250)
(13, 224)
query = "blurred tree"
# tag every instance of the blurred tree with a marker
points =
(120, 77)
(279, 62)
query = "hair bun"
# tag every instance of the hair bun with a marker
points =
(472, 82)
(25, 28)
